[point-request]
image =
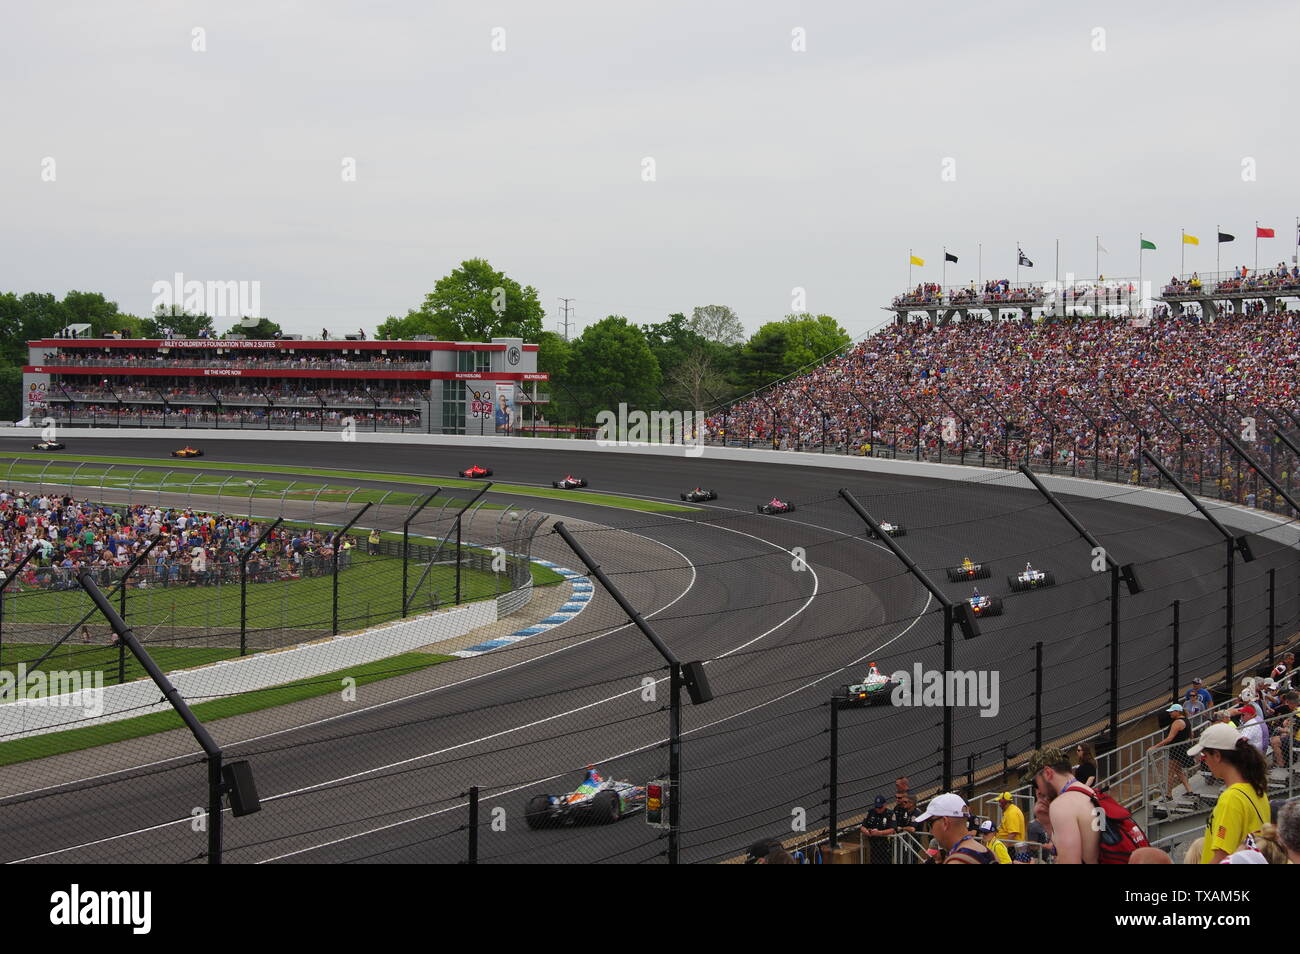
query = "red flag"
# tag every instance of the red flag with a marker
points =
(1263, 233)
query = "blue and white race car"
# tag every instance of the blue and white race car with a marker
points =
(1031, 579)
(982, 605)
(597, 800)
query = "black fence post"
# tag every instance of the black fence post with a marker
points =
(472, 859)
(243, 584)
(459, 515)
(406, 542)
(1178, 649)
(1038, 695)
(833, 799)
(4, 585)
(338, 539)
(121, 647)
(1272, 615)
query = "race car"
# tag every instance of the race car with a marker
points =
(596, 799)
(1031, 579)
(187, 451)
(875, 689)
(892, 529)
(968, 571)
(476, 472)
(699, 495)
(569, 482)
(47, 446)
(985, 605)
(776, 506)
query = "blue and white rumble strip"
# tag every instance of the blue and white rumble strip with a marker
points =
(576, 603)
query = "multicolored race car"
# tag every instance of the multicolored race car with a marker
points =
(476, 472)
(47, 446)
(968, 571)
(892, 529)
(776, 506)
(982, 605)
(699, 495)
(875, 689)
(1031, 579)
(597, 799)
(569, 482)
(187, 451)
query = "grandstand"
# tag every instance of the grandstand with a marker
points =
(447, 387)
(1081, 395)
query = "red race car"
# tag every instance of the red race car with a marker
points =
(476, 472)
(569, 482)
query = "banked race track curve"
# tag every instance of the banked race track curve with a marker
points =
(385, 781)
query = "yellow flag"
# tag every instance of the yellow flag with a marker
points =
(916, 261)
(1190, 239)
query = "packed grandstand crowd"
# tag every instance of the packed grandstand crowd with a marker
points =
(277, 360)
(67, 536)
(132, 392)
(1066, 391)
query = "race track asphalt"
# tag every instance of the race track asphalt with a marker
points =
(387, 784)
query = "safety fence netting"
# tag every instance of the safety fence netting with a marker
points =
(838, 671)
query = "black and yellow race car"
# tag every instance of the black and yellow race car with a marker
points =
(187, 451)
(968, 571)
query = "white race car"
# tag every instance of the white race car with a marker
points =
(892, 529)
(1031, 579)
(875, 689)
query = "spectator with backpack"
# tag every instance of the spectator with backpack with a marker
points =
(1070, 812)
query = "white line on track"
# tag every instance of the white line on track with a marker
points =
(343, 779)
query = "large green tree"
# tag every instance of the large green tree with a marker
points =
(474, 303)
(694, 367)
(181, 322)
(611, 362)
(780, 348)
(263, 330)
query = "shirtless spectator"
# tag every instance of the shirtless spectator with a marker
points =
(1063, 807)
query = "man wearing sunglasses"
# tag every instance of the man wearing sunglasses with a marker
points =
(949, 820)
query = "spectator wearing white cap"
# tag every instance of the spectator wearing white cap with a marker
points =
(949, 819)
(1175, 741)
(1242, 808)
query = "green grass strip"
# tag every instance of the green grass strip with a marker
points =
(74, 740)
(591, 497)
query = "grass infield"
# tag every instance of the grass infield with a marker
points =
(73, 740)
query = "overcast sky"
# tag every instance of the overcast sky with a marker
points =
(775, 169)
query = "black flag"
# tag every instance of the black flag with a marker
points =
(949, 257)
(1024, 260)
(1225, 237)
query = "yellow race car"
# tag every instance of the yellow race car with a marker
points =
(187, 451)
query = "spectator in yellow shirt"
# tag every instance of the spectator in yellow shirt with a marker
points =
(1013, 828)
(990, 838)
(1242, 808)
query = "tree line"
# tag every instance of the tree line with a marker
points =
(689, 361)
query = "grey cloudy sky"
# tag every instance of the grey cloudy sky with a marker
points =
(775, 169)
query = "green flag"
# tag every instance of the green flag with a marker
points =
(1146, 244)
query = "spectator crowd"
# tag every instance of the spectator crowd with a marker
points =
(67, 536)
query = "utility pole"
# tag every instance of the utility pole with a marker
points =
(564, 320)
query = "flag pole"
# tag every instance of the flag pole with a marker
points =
(1182, 255)
(909, 270)
(1141, 297)
(1218, 246)
(943, 281)
(1257, 246)
(1060, 296)
(1096, 255)
(980, 272)
(1017, 263)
